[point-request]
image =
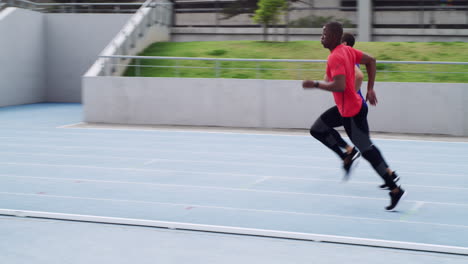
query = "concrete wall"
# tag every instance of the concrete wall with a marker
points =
(403, 17)
(222, 34)
(43, 56)
(22, 62)
(419, 34)
(434, 108)
(445, 17)
(403, 107)
(73, 43)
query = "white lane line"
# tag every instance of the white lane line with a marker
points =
(266, 141)
(259, 181)
(437, 187)
(433, 174)
(69, 155)
(180, 186)
(70, 125)
(220, 174)
(166, 144)
(146, 150)
(419, 141)
(241, 231)
(230, 140)
(150, 162)
(209, 161)
(245, 189)
(222, 142)
(185, 205)
(130, 168)
(413, 210)
(417, 206)
(195, 130)
(304, 157)
(257, 164)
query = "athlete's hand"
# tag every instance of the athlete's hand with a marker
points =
(308, 84)
(371, 97)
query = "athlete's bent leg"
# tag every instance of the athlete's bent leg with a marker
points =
(357, 129)
(323, 131)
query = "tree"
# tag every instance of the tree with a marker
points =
(268, 13)
(244, 7)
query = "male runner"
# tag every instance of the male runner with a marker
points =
(351, 110)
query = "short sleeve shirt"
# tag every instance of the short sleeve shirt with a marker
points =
(341, 61)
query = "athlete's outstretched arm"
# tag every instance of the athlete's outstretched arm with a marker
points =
(337, 85)
(370, 63)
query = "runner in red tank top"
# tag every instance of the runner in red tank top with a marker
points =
(351, 110)
(339, 64)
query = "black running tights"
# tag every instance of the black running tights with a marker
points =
(357, 129)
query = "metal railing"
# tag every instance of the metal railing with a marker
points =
(152, 13)
(159, 66)
(130, 7)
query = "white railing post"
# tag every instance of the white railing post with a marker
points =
(126, 41)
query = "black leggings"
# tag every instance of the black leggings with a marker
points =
(357, 129)
(323, 130)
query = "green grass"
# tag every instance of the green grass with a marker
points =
(397, 51)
